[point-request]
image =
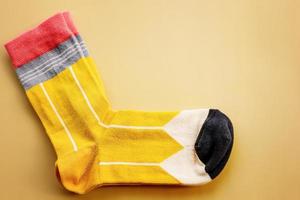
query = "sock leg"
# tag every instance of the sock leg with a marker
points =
(43, 59)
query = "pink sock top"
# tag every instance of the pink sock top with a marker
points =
(40, 39)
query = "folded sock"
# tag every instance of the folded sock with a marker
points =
(96, 145)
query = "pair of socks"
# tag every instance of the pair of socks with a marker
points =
(96, 145)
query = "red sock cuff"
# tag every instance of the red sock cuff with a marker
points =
(41, 39)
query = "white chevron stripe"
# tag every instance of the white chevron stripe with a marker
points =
(186, 167)
(185, 127)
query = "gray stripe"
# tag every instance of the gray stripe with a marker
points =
(51, 63)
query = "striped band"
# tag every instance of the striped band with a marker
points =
(43, 52)
(51, 63)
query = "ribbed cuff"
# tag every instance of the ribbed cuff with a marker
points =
(43, 52)
(41, 39)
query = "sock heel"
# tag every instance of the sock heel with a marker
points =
(77, 171)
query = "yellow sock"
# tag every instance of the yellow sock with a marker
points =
(96, 145)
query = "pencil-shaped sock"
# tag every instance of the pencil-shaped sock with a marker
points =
(97, 146)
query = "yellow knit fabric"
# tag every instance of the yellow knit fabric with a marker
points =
(94, 144)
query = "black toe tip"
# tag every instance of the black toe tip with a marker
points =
(214, 143)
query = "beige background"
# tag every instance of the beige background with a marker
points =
(241, 56)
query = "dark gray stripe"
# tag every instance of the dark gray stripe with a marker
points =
(51, 63)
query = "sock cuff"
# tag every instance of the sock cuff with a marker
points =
(44, 51)
(41, 39)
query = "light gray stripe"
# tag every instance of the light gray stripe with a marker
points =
(51, 63)
(44, 68)
(60, 50)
